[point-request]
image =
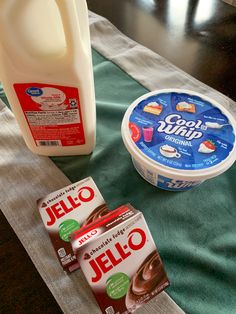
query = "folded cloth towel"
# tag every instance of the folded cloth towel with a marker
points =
(25, 177)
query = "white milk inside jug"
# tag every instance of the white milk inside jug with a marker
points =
(46, 71)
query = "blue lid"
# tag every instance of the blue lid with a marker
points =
(181, 131)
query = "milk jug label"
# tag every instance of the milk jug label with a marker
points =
(53, 113)
(181, 131)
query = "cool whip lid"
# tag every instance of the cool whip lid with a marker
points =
(180, 132)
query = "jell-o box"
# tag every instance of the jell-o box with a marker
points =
(67, 210)
(120, 261)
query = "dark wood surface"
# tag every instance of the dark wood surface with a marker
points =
(198, 37)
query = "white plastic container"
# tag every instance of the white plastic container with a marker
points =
(46, 71)
(177, 138)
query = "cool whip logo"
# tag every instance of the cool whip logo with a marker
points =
(175, 124)
(112, 257)
(65, 206)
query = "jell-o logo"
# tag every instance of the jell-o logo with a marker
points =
(63, 207)
(112, 257)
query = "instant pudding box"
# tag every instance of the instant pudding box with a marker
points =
(120, 260)
(67, 210)
(177, 139)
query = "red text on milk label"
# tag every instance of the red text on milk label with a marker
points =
(112, 257)
(63, 207)
(52, 112)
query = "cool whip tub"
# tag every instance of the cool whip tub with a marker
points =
(179, 138)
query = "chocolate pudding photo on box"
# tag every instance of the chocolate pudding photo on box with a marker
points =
(120, 261)
(67, 210)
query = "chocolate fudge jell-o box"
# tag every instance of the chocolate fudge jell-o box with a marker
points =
(67, 210)
(120, 260)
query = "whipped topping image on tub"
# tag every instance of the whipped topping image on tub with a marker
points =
(192, 139)
(67, 210)
(107, 248)
(169, 151)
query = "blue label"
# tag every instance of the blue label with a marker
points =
(175, 185)
(181, 131)
(34, 91)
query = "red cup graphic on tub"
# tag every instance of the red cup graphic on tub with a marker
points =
(147, 133)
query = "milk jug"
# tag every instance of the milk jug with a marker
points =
(46, 71)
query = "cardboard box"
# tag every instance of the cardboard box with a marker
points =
(67, 210)
(120, 260)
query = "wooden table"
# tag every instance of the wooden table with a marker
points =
(197, 36)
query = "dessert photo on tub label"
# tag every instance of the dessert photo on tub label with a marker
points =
(107, 248)
(185, 106)
(67, 210)
(153, 108)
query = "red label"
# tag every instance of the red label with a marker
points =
(53, 113)
(101, 221)
(135, 131)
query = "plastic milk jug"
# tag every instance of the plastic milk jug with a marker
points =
(46, 71)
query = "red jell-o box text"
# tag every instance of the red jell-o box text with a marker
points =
(67, 210)
(120, 260)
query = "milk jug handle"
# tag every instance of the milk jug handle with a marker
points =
(69, 18)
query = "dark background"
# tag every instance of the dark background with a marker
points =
(197, 36)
